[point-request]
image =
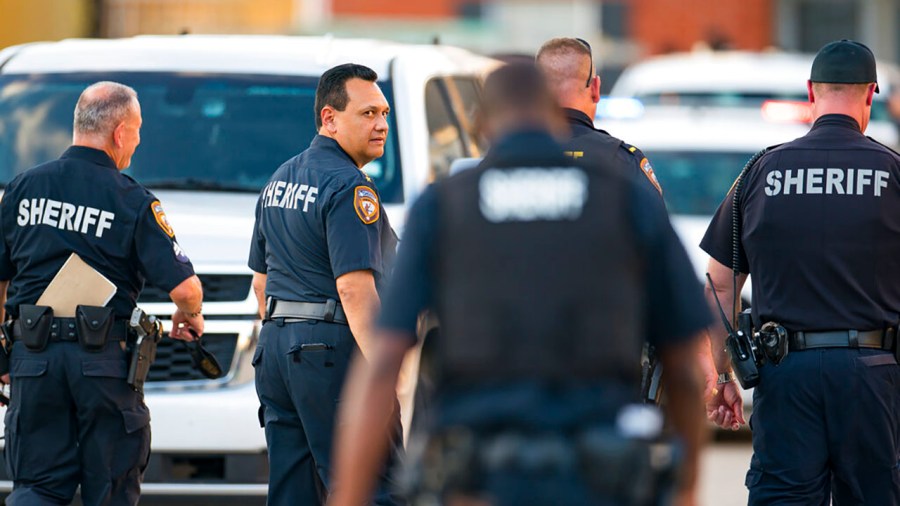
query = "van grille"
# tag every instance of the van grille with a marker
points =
(173, 361)
(216, 288)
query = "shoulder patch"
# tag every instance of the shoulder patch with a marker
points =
(647, 169)
(161, 219)
(645, 166)
(365, 201)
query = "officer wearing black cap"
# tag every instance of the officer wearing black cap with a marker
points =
(72, 419)
(577, 90)
(816, 222)
(322, 247)
(547, 278)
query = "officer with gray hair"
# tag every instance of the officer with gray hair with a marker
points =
(73, 419)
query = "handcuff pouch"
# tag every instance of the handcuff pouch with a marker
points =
(33, 327)
(93, 324)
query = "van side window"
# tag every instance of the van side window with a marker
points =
(445, 143)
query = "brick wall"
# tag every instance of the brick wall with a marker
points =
(676, 25)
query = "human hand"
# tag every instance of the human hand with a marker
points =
(726, 407)
(685, 497)
(182, 325)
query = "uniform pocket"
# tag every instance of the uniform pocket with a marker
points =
(135, 419)
(27, 368)
(105, 369)
(11, 426)
(753, 478)
(257, 355)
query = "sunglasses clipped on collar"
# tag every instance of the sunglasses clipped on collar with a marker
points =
(587, 84)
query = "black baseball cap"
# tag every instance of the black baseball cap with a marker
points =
(844, 61)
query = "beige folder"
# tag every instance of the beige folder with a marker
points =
(76, 283)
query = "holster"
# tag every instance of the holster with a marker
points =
(142, 356)
(93, 324)
(147, 332)
(33, 327)
(627, 470)
(6, 340)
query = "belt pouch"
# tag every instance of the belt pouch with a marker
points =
(93, 324)
(34, 326)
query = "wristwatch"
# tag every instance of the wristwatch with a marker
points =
(725, 377)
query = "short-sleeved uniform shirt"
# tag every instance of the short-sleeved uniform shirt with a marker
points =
(820, 231)
(318, 218)
(82, 204)
(674, 298)
(588, 146)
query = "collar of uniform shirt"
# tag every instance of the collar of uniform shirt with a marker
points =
(91, 155)
(322, 142)
(574, 115)
(836, 120)
(526, 147)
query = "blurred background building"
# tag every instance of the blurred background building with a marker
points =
(621, 31)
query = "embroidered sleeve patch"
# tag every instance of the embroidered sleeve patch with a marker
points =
(161, 219)
(365, 201)
(648, 171)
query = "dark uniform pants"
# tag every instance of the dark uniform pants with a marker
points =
(827, 423)
(299, 391)
(73, 420)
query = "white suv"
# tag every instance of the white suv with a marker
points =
(221, 113)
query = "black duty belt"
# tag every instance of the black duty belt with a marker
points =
(329, 311)
(63, 329)
(877, 339)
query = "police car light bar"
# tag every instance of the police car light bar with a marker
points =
(786, 111)
(619, 108)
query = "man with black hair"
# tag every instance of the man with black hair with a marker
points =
(322, 247)
(547, 278)
(818, 228)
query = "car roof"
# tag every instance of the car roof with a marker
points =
(722, 71)
(244, 54)
(685, 129)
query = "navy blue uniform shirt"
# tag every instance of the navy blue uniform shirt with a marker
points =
(319, 217)
(82, 204)
(588, 145)
(676, 308)
(820, 231)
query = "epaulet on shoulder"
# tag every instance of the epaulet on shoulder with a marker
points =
(892, 150)
(633, 150)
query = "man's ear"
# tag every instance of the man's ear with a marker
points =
(870, 94)
(328, 119)
(809, 92)
(118, 134)
(595, 89)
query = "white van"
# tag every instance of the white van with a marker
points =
(221, 113)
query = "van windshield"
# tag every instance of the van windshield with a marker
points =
(200, 132)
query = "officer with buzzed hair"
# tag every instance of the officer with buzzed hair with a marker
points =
(547, 278)
(815, 221)
(73, 419)
(569, 67)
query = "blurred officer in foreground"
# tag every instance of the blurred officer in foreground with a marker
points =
(568, 66)
(819, 230)
(321, 246)
(73, 420)
(541, 274)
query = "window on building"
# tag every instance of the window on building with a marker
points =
(614, 19)
(822, 21)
